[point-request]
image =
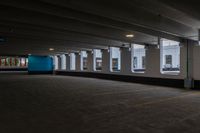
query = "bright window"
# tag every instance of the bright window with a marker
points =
(72, 61)
(13, 62)
(84, 60)
(97, 60)
(170, 56)
(115, 61)
(138, 58)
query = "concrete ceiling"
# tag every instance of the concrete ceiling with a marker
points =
(34, 26)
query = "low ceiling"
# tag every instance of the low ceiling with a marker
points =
(34, 26)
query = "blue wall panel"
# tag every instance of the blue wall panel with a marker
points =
(40, 64)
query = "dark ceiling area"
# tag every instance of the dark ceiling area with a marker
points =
(34, 26)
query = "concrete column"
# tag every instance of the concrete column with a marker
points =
(90, 63)
(105, 61)
(67, 62)
(153, 61)
(187, 60)
(126, 61)
(55, 62)
(63, 62)
(59, 62)
(78, 62)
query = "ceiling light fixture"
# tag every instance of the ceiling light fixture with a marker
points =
(130, 36)
(51, 49)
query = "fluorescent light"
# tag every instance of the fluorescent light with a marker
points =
(130, 36)
(51, 49)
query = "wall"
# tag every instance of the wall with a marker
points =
(152, 64)
(196, 62)
(40, 64)
(189, 68)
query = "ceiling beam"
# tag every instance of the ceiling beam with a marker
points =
(94, 19)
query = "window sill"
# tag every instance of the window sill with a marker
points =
(171, 73)
(138, 72)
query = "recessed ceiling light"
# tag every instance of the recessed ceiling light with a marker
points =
(51, 49)
(130, 36)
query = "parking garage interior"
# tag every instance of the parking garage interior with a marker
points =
(103, 66)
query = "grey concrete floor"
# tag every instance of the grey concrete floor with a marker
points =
(61, 104)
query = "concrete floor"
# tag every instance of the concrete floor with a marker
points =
(61, 104)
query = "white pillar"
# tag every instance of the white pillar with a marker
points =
(105, 61)
(126, 61)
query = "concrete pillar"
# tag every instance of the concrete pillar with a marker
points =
(55, 62)
(187, 61)
(78, 62)
(126, 61)
(67, 62)
(59, 62)
(63, 62)
(106, 61)
(153, 61)
(90, 63)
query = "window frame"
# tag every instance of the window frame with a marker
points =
(111, 59)
(163, 61)
(133, 56)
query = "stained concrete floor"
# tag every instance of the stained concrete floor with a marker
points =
(61, 104)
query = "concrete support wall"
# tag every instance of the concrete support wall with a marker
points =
(78, 62)
(126, 62)
(152, 62)
(105, 61)
(196, 62)
(67, 62)
(90, 64)
(189, 62)
(59, 62)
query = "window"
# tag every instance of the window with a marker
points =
(170, 56)
(72, 61)
(84, 58)
(97, 60)
(115, 61)
(13, 62)
(168, 61)
(138, 58)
